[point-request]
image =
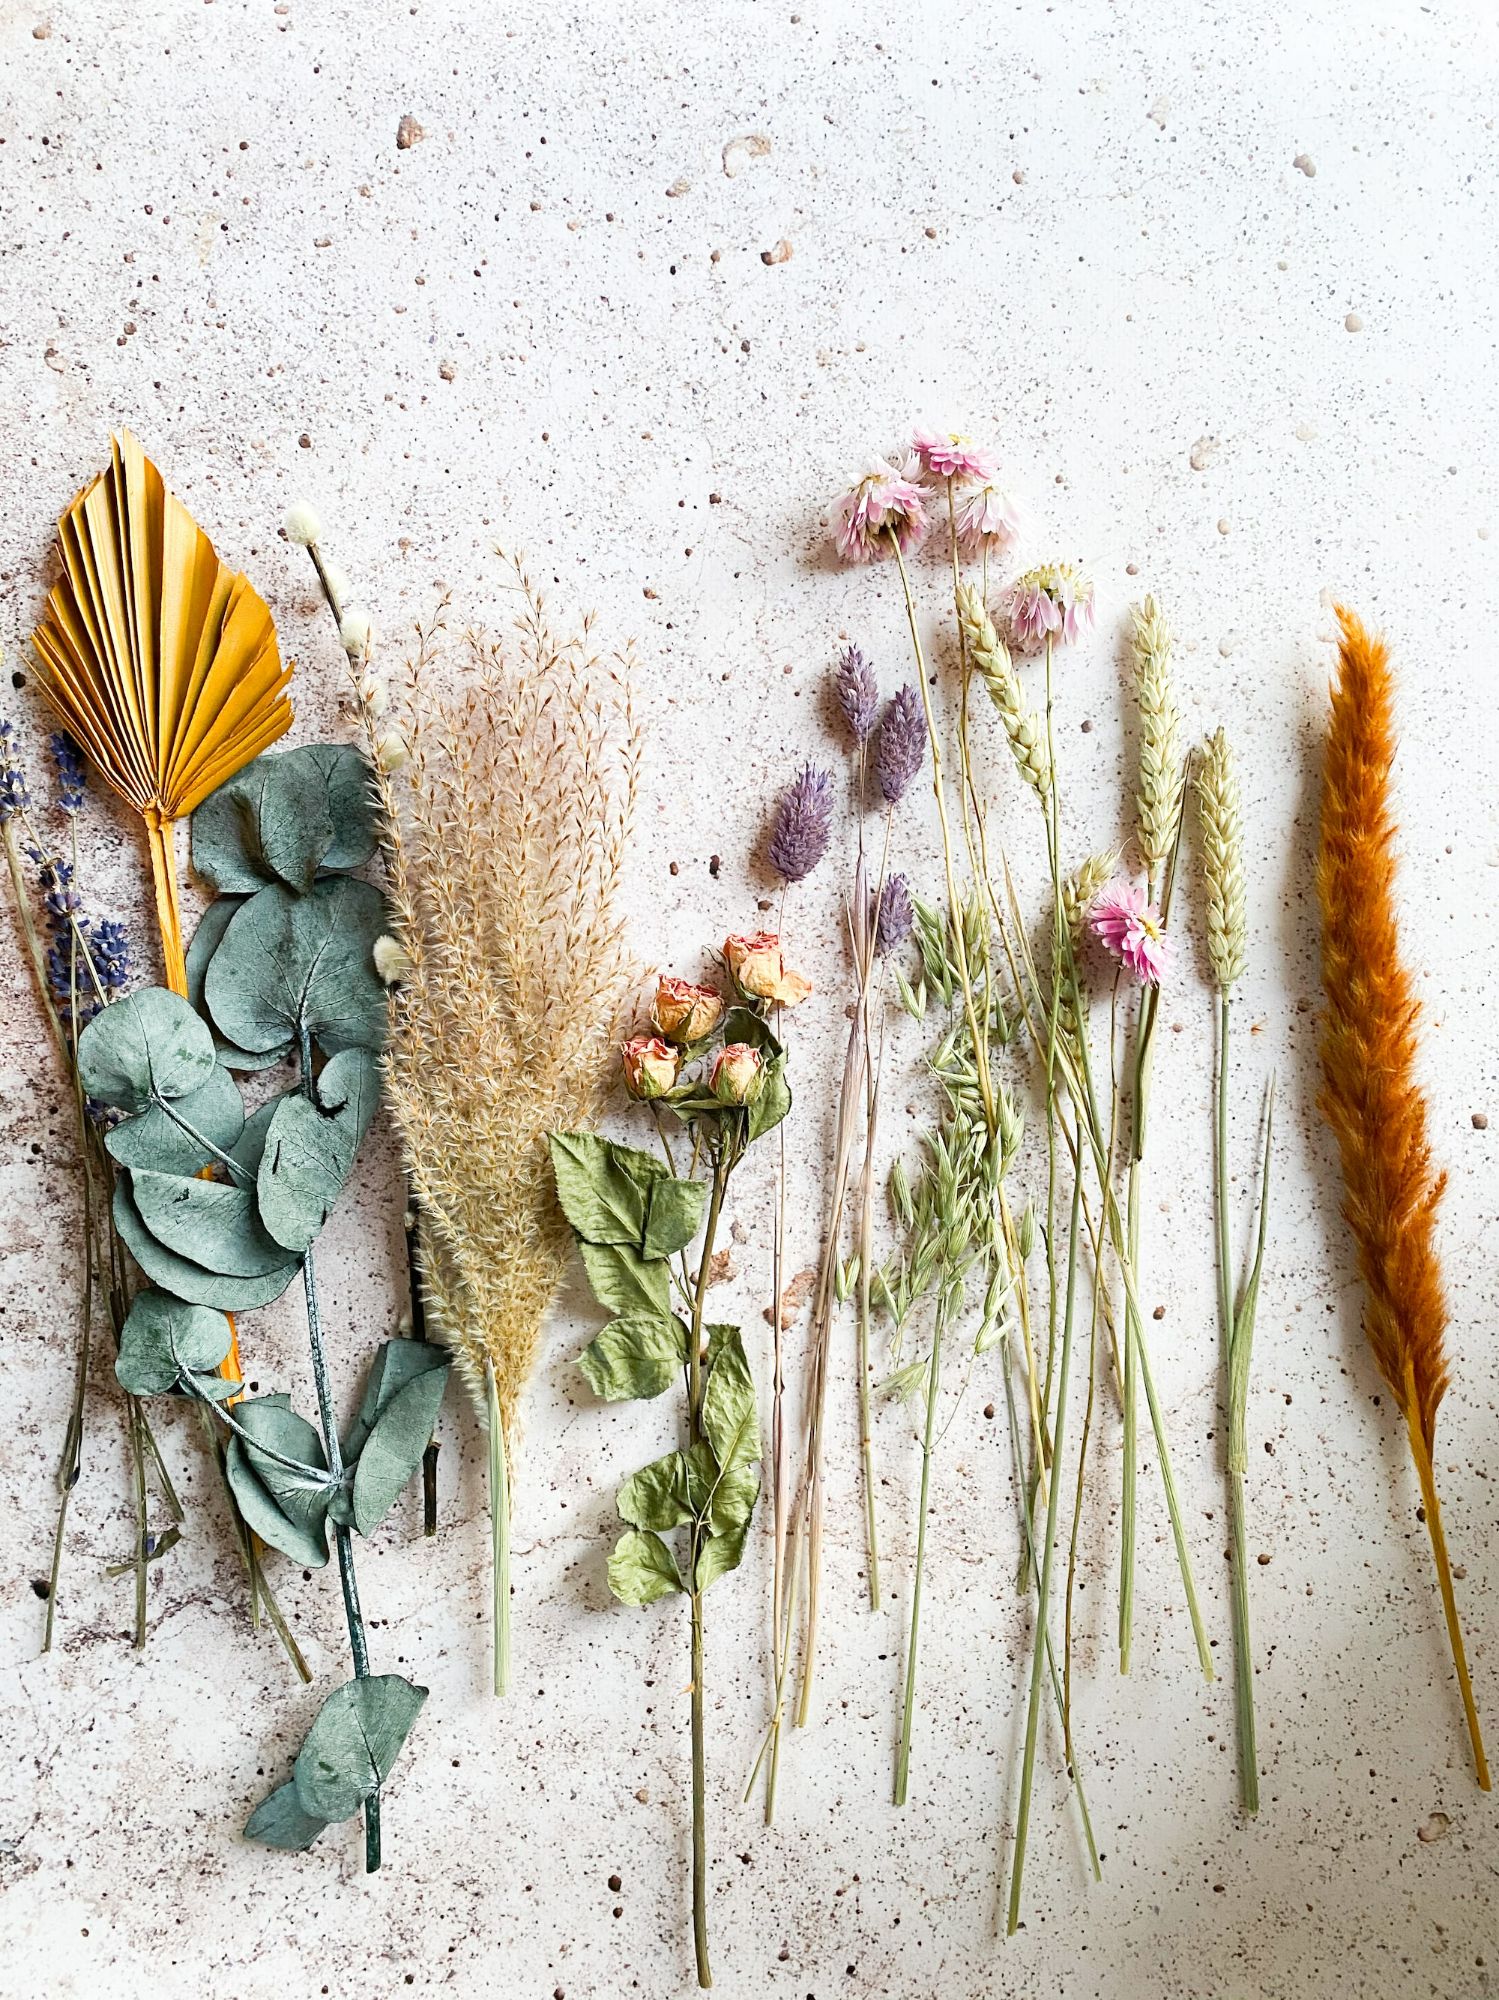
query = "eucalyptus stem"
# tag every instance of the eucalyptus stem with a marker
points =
(342, 1534)
(499, 1530)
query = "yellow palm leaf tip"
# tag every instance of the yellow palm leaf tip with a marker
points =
(158, 658)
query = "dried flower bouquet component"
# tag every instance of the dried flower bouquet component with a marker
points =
(1370, 1094)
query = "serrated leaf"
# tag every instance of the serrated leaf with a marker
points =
(732, 1498)
(148, 1044)
(772, 1101)
(282, 1821)
(288, 962)
(674, 1213)
(310, 1146)
(393, 1448)
(623, 1281)
(212, 1224)
(269, 823)
(642, 1568)
(164, 1338)
(158, 1138)
(639, 1354)
(207, 938)
(656, 1496)
(743, 1024)
(603, 1188)
(352, 1745)
(720, 1554)
(185, 1279)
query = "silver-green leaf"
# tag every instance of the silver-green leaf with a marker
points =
(147, 1045)
(352, 1745)
(310, 1146)
(289, 963)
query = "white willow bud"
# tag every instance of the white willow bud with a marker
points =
(356, 631)
(300, 524)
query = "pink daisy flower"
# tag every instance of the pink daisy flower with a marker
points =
(1052, 602)
(987, 518)
(947, 455)
(1129, 926)
(885, 502)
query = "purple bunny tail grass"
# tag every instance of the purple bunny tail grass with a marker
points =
(858, 694)
(803, 824)
(900, 748)
(893, 915)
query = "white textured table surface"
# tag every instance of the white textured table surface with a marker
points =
(1220, 292)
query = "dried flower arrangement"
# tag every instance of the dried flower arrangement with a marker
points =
(1370, 1094)
(720, 1074)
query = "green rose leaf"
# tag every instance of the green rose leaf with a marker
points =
(282, 1821)
(393, 1433)
(639, 1354)
(674, 1212)
(214, 1225)
(310, 1146)
(603, 1188)
(642, 1568)
(730, 1420)
(164, 1339)
(207, 938)
(147, 1045)
(186, 1279)
(657, 1495)
(624, 1282)
(772, 1101)
(289, 963)
(720, 1554)
(732, 1498)
(269, 823)
(286, 1506)
(349, 1751)
(743, 1024)
(158, 1138)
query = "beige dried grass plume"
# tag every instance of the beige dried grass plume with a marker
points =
(506, 832)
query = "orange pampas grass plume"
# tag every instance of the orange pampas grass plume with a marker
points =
(1370, 1096)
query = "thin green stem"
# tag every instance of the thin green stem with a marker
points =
(499, 1532)
(913, 1636)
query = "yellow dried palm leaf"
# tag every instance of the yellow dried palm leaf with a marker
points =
(158, 658)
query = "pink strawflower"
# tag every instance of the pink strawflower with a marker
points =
(987, 518)
(885, 503)
(1052, 602)
(1127, 924)
(946, 455)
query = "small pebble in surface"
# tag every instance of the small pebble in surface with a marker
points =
(1480, 1121)
(1354, 323)
(1305, 164)
(781, 254)
(408, 132)
(1227, 643)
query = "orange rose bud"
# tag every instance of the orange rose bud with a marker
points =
(761, 973)
(684, 1012)
(650, 1066)
(737, 1073)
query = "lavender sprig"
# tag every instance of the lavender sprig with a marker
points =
(900, 747)
(803, 824)
(72, 773)
(891, 915)
(858, 694)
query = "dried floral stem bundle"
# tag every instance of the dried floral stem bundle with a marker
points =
(1370, 1095)
(505, 831)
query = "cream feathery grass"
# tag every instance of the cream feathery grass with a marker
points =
(1162, 772)
(505, 830)
(991, 660)
(1221, 817)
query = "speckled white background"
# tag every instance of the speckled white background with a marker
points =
(1220, 292)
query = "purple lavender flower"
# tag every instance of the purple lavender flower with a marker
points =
(111, 954)
(803, 824)
(71, 774)
(900, 747)
(14, 797)
(892, 915)
(858, 694)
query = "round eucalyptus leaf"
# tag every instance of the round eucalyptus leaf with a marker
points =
(291, 962)
(165, 1338)
(158, 1136)
(207, 938)
(351, 808)
(185, 1279)
(348, 1752)
(214, 1225)
(269, 823)
(310, 1146)
(145, 1045)
(249, 1148)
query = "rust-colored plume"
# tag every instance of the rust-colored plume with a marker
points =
(1370, 1096)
